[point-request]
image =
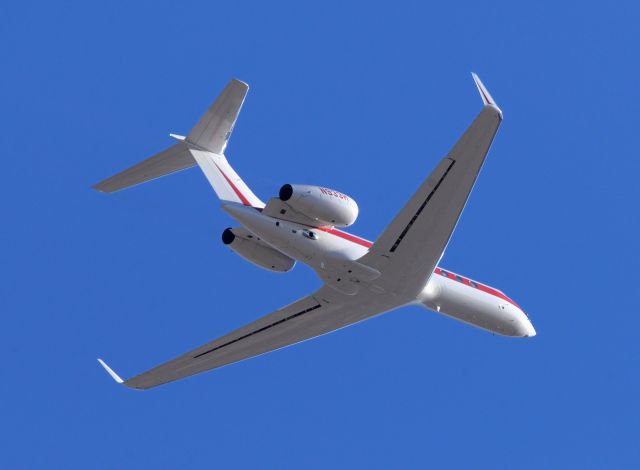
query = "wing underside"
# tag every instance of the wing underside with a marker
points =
(409, 249)
(315, 315)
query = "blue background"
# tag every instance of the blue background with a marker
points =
(364, 98)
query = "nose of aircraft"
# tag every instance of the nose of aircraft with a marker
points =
(524, 327)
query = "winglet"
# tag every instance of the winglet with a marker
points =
(113, 375)
(179, 138)
(484, 93)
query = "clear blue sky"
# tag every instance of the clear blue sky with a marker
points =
(364, 98)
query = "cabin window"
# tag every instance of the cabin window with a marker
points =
(444, 273)
(473, 284)
(459, 279)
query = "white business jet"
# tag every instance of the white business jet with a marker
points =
(361, 279)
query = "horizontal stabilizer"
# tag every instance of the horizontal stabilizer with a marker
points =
(168, 161)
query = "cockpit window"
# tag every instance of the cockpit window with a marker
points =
(444, 273)
(473, 284)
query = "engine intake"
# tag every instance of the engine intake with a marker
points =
(228, 236)
(286, 192)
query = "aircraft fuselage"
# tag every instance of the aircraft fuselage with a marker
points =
(331, 252)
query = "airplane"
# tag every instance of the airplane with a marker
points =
(303, 223)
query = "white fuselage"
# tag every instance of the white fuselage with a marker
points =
(447, 293)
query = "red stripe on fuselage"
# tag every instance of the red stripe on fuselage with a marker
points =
(480, 287)
(244, 200)
(347, 236)
(368, 244)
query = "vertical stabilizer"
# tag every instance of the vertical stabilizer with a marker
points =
(214, 129)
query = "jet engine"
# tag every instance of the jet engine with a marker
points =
(254, 250)
(326, 206)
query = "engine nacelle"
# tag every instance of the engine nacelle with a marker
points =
(256, 251)
(324, 205)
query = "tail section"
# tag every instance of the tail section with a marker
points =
(214, 129)
(205, 146)
(224, 180)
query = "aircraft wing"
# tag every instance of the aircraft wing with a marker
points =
(409, 249)
(322, 312)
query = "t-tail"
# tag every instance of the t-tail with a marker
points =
(204, 146)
